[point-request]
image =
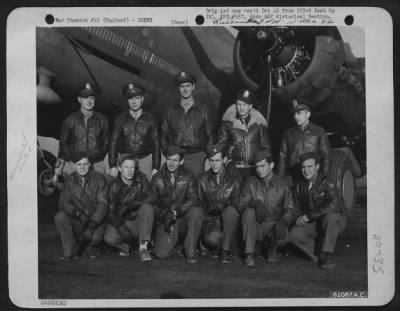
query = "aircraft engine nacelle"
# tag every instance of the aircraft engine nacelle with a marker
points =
(306, 61)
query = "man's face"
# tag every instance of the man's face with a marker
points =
(173, 162)
(136, 102)
(82, 167)
(243, 108)
(186, 90)
(127, 170)
(264, 169)
(87, 103)
(301, 117)
(309, 169)
(217, 163)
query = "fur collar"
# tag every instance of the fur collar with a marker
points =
(255, 117)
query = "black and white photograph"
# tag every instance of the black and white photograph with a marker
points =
(202, 162)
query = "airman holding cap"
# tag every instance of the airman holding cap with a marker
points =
(321, 215)
(135, 131)
(218, 192)
(243, 132)
(267, 208)
(176, 211)
(83, 210)
(304, 137)
(187, 125)
(84, 131)
(131, 209)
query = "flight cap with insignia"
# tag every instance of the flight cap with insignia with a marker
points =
(212, 150)
(309, 155)
(87, 90)
(131, 90)
(125, 156)
(263, 155)
(300, 104)
(184, 77)
(174, 150)
(77, 156)
(247, 96)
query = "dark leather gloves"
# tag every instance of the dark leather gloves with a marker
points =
(84, 219)
(261, 211)
(125, 233)
(280, 230)
(169, 220)
(115, 220)
(87, 235)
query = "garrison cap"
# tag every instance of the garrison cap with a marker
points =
(87, 90)
(212, 150)
(77, 156)
(184, 77)
(125, 156)
(309, 155)
(174, 150)
(263, 155)
(300, 104)
(131, 90)
(247, 96)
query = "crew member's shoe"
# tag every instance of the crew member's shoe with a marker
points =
(225, 257)
(325, 261)
(273, 253)
(191, 260)
(144, 255)
(249, 260)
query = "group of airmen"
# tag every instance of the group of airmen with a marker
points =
(215, 195)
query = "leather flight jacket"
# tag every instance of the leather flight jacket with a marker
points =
(191, 131)
(296, 141)
(138, 137)
(91, 138)
(125, 200)
(86, 195)
(243, 141)
(179, 196)
(319, 200)
(275, 194)
(214, 197)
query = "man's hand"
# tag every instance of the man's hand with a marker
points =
(280, 230)
(114, 172)
(261, 211)
(302, 220)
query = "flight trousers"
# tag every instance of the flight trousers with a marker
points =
(187, 226)
(327, 228)
(70, 230)
(140, 228)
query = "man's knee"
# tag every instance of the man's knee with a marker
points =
(111, 236)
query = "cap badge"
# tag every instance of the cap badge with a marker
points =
(246, 93)
(295, 103)
(87, 86)
(215, 149)
(130, 86)
(183, 74)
